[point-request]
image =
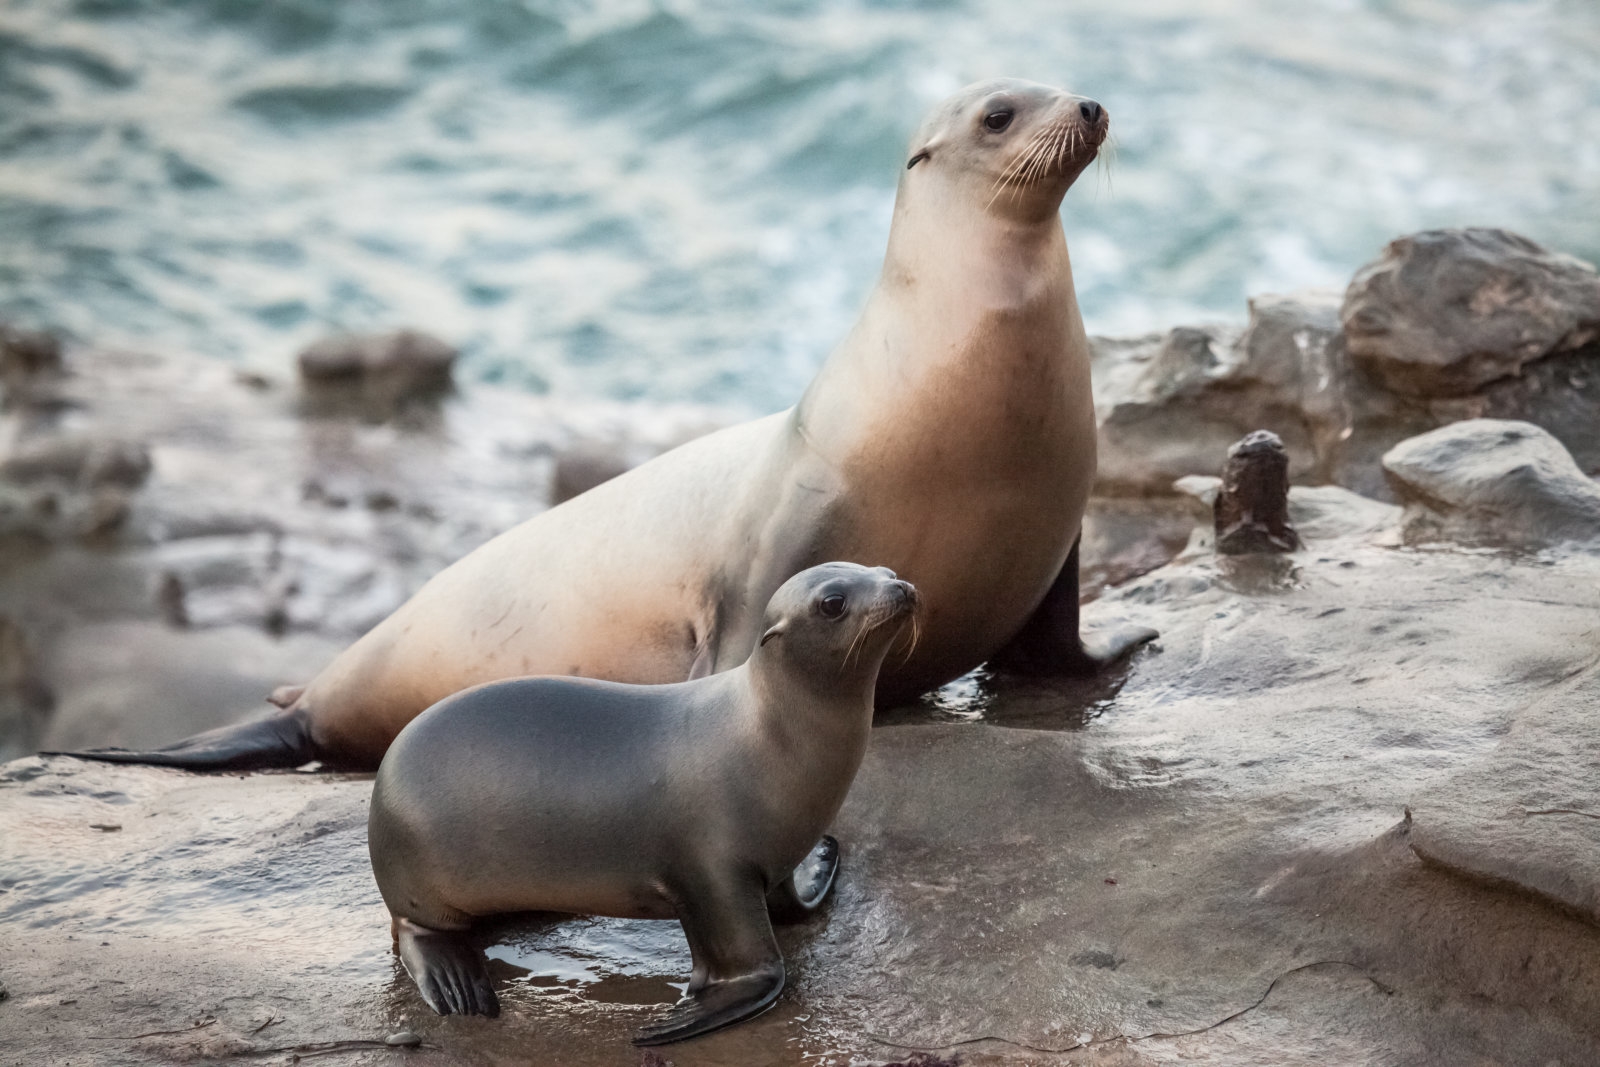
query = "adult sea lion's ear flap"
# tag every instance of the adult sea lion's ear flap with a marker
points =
(777, 628)
(926, 153)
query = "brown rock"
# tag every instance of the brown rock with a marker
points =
(401, 364)
(1252, 507)
(1445, 312)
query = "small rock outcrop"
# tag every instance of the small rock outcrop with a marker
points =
(376, 372)
(1445, 312)
(1251, 510)
(1492, 482)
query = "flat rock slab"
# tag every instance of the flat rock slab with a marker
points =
(1202, 861)
(1527, 815)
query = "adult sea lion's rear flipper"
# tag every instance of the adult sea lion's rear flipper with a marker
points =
(1051, 642)
(451, 975)
(738, 970)
(277, 741)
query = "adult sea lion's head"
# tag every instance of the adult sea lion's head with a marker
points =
(1016, 146)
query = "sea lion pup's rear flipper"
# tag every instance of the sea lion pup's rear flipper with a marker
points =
(1050, 642)
(798, 896)
(451, 975)
(738, 970)
(280, 740)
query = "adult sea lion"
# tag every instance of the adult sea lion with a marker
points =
(951, 435)
(692, 800)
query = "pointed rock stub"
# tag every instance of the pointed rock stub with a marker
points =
(1252, 506)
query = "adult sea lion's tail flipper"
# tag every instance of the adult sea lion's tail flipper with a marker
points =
(279, 740)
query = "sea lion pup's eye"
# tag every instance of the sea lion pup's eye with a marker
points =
(999, 119)
(832, 606)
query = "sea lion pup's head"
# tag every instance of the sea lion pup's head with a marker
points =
(837, 620)
(1015, 144)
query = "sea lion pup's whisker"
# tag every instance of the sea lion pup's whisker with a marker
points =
(916, 637)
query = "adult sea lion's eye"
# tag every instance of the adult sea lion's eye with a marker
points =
(998, 120)
(832, 606)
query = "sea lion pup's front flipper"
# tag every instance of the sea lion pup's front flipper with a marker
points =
(738, 970)
(1050, 642)
(450, 973)
(798, 896)
(280, 740)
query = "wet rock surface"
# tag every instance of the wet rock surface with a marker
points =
(1492, 482)
(1181, 866)
(1526, 816)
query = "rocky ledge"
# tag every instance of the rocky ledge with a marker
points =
(1343, 811)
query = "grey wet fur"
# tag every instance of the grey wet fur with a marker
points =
(694, 800)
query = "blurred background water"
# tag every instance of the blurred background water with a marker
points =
(688, 200)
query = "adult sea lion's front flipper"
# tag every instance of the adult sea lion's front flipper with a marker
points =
(738, 970)
(280, 740)
(1050, 642)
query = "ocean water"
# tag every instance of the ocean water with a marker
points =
(689, 200)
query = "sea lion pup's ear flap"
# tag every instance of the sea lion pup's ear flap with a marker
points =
(774, 631)
(925, 153)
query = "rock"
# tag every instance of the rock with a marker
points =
(1445, 312)
(1491, 482)
(1169, 405)
(586, 465)
(375, 375)
(25, 699)
(1251, 509)
(1326, 512)
(1317, 512)
(1511, 331)
(78, 461)
(402, 1039)
(30, 366)
(1528, 815)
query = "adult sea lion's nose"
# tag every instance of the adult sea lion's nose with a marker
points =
(1091, 111)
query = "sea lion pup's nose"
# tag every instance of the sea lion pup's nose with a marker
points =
(1091, 111)
(905, 591)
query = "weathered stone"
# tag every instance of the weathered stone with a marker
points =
(1493, 483)
(583, 466)
(375, 376)
(1251, 510)
(77, 461)
(1445, 312)
(25, 700)
(415, 359)
(1528, 814)
(1169, 404)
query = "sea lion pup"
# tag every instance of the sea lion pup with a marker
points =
(691, 800)
(951, 435)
